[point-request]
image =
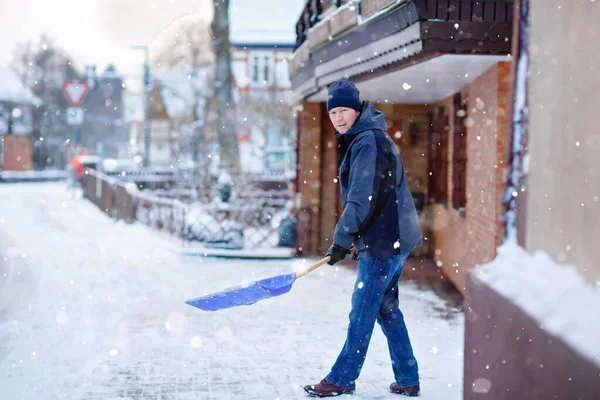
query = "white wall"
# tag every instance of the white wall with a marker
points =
(563, 205)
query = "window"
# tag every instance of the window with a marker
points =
(438, 156)
(255, 70)
(261, 67)
(459, 154)
(266, 69)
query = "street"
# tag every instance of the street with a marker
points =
(91, 308)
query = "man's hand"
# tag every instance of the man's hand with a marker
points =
(337, 253)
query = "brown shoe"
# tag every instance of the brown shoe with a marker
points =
(411, 391)
(326, 389)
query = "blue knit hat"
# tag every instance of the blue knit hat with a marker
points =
(343, 93)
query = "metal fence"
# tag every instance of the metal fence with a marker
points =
(257, 219)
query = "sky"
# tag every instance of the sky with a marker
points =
(102, 31)
(95, 31)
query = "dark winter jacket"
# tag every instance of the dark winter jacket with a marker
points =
(379, 214)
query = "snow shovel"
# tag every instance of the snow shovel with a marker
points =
(246, 295)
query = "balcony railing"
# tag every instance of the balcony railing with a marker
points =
(321, 20)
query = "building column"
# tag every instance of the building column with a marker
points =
(309, 178)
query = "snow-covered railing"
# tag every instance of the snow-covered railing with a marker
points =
(111, 195)
(256, 219)
(163, 214)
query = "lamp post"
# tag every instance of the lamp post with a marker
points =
(146, 103)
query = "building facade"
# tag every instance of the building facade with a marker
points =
(440, 71)
(104, 130)
(16, 122)
(263, 88)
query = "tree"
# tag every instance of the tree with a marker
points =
(43, 67)
(223, 88)
(187, 45)
(187, 56)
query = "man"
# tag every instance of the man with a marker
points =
(380, 219)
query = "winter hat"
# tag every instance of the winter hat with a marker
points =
(343, 93)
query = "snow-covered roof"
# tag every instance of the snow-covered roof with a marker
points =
(264, 21)
(14, 91)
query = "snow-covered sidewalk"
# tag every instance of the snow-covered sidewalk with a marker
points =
(94, 309)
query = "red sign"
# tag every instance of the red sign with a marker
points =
(75, 92)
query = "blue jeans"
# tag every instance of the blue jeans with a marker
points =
(375, 298)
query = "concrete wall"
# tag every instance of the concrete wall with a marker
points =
(463, 241)
(564, 139)
(508, 356)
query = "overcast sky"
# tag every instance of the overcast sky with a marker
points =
(94, 31)
(103, 31)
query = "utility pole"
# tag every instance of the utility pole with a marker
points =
(147, 123)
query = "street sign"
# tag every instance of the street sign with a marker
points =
(74, 116)
(75, 92)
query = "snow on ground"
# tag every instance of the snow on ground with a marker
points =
(94, 309)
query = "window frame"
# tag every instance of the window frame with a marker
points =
(438, 157)
(459, 154)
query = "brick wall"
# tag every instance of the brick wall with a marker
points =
(17, 153)
(309, 173)
(463, 241)
(414, 155)
(503, 142)
(330, 192)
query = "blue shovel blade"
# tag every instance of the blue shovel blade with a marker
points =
(245, 295)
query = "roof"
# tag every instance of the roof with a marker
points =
(14, 91)
(247, 21)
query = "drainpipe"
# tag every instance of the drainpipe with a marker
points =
(515, 197)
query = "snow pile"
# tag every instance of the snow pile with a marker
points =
(203, 227)
(555, 295)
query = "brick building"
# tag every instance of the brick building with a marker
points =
(441, 73)
(16, 122)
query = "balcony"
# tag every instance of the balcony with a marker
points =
(319, 12)
(359, 39)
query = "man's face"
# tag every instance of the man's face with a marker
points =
(343, 118)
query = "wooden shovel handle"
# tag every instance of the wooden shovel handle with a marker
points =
(317, 265)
